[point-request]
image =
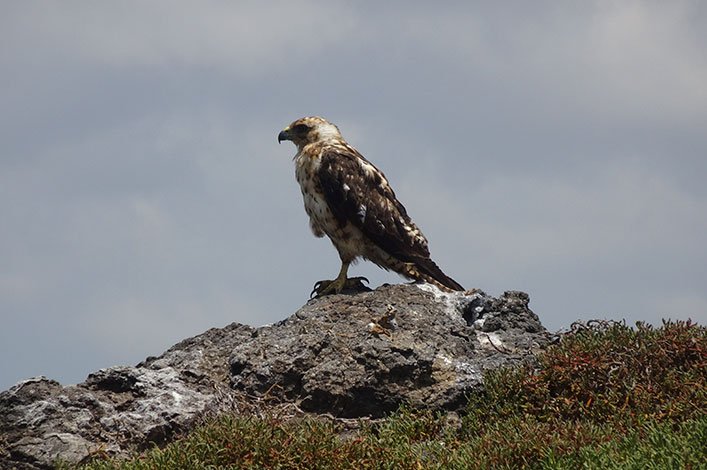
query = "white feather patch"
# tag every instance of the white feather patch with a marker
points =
(362, 212)
(367, 168)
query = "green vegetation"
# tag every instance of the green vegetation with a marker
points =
(606, 396)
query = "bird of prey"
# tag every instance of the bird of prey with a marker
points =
(349, 200)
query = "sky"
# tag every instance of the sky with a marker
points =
(557, 148)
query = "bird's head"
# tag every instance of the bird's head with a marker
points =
(308, 130)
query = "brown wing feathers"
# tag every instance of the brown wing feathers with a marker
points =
(358, 197)
(430, 268)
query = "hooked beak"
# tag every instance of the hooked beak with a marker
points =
(284, 135)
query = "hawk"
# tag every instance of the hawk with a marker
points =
(349, 200)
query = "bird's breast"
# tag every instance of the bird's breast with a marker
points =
(347, 238)
(321, 219)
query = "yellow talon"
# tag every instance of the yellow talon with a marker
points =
(341, 283)
(326, 287)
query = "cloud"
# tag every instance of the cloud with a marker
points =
(610, 242)
(553, 148)
(619, 212)
(613, 61)
(244, 38)
(146, 323)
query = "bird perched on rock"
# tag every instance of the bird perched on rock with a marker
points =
(349, 200)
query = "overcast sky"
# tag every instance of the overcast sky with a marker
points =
(559, 148)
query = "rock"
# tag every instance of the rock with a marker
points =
(118, 409)
(343, 355)
(366, 354)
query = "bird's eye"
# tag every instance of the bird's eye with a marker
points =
(300, 129)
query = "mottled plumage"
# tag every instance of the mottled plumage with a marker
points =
(350, 200)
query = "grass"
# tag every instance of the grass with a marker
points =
(607, 396)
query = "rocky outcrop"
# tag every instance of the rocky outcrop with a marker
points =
(118, 409)
(343, 355)
(365, 354)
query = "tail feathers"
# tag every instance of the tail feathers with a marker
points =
(430, 272)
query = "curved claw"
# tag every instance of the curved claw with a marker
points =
(317, 287)
(358, 279)
(327, 287)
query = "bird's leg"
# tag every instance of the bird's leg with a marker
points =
(339, 284)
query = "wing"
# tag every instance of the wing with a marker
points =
(358, 193)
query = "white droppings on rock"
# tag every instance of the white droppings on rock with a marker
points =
(453, 301)
(467, 372)
(177, 398)
(446, 360)
(450, 300)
